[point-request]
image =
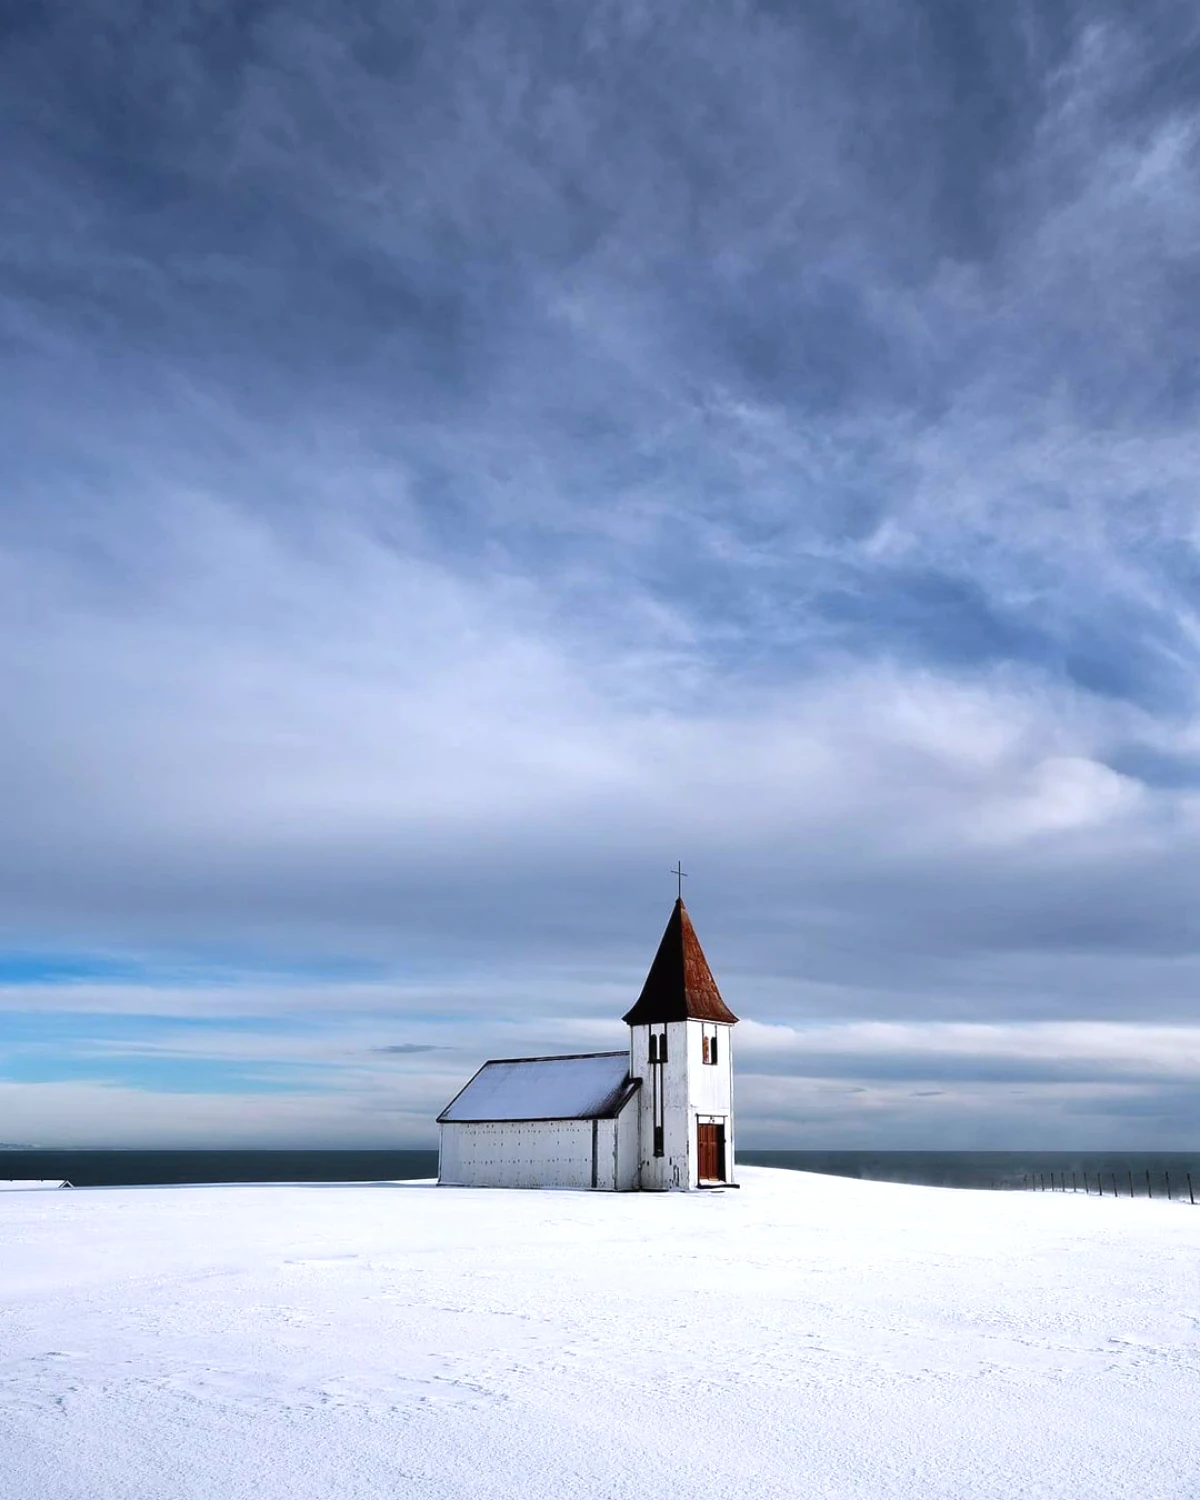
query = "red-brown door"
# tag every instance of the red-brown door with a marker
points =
(711, 1153)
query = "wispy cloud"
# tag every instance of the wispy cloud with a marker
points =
(455, 462)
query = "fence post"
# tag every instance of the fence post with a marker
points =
(1113, 1175)
(1131, 1182)
(1191, 1195)
(1074, 1184)
(1149, 1194)
(1167, 1177)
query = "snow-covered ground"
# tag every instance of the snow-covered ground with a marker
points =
(805, 1337)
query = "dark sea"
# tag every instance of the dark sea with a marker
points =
(1122, 1172)
(1115, 1171)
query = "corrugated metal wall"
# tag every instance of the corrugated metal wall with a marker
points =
(542, 1153)
(556, 1153)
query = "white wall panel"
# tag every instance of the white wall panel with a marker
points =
(556, 1153)
(627, 1133)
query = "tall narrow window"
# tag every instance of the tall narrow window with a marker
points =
(653, 1048)
(704, 1048)
(662, 1047)
(658, 1140)
(712, 1049)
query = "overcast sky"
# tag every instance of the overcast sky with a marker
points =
(456, 459)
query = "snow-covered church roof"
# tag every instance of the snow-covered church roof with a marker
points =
(593, 1086)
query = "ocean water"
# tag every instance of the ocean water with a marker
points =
(1019, 1170)
(1121, 1172)
(170, 1168)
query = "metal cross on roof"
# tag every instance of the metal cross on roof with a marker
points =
(680, 875)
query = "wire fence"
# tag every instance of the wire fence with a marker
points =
(1112, 1185)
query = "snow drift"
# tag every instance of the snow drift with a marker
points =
(808, 1336)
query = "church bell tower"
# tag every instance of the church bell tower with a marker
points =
(679, 1046)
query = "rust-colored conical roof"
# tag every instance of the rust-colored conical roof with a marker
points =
(680, 985)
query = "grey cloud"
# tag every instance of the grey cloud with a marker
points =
(960, 1070)
(456, 460)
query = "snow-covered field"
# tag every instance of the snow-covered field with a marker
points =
(807, 1336)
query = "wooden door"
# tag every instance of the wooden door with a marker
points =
(711, 1153)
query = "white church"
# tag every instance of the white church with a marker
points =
(656, 1117)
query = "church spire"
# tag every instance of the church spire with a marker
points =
(680, 985)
